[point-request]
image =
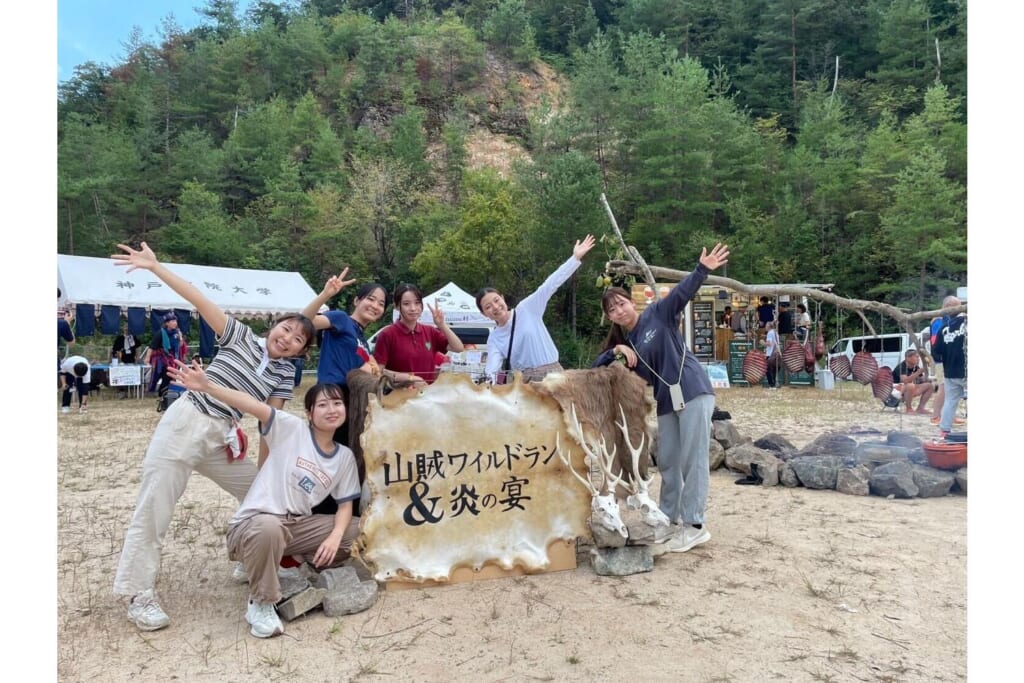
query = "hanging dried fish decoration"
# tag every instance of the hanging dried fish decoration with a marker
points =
(755, 366)
(865, 367)
(840, 367)
(793, 356)
(881, 385)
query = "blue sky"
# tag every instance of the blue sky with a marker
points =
(95, 29)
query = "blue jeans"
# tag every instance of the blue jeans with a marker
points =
(956, 388)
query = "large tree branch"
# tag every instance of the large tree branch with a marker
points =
(628, 250)
(817, 292)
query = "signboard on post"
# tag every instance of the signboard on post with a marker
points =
(125, 375)
(737, 350)
(718, 373)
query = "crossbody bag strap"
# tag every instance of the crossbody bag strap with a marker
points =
(682, 358)
(507, 365)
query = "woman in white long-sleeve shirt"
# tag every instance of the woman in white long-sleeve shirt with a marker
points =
(533, 351)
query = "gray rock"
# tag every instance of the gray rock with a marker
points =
(961, 479)
(362, 571)
(876, 453)
(787, 477)
(854, 481)
(350, 598)
(932, 483)
(739, 459)
(330, 579)
(632, 559)
(725, 433)
(832, 443)
(917, 456)
(716, 455)
(642, 533)
(817, 471)
(894, 479)
(905, 439)
(299, 604)
(292, 582)
(606, 538)
(778, 444)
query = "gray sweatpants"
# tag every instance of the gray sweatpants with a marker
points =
(684, 439)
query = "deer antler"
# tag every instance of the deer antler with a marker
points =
(600, 454)
(641, 498)
(604, 508)
(568, 463)
(639, 484)
(605, 460)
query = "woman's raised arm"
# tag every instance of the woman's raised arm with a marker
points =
(145, 258)
(194, 378)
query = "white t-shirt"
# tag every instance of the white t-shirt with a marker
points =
(297, 475)
(532, 345)
(69, 364)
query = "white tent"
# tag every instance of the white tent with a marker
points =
(240, 292)
(458, 305)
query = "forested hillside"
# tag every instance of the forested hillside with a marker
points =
(824, 140)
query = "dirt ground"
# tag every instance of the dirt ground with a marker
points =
(795, 584)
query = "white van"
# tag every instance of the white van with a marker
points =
(887, 349)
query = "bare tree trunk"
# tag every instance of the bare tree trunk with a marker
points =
(71, 229)
(792, 29)
(99, 212)
(630, 251)
(835, 83)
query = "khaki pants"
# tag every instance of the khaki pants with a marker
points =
(259, 542)
(185, 440)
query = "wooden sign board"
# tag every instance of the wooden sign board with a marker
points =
(466, 482)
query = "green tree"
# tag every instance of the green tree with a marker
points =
(203, 234)
(594, 95)
(94, 166)
(566, 190)
(254, 151)
(382, 197)
(489, 243)
(906, 54)
(508, 29)
(927, 232)
(563, 25)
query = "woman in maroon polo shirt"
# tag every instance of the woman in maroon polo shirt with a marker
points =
(407, 350)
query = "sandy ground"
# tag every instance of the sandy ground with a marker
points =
(795, 584)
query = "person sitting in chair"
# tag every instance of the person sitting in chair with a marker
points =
(912, 381)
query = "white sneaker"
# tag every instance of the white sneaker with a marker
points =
(65, 410)
(238, 574)
(146, 612)
(264, 620)
(689, 537)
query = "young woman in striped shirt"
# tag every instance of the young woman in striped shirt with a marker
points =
(198, 433)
